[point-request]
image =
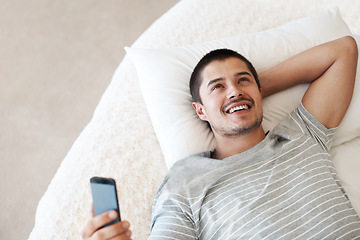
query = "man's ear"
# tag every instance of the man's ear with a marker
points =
(200, 111)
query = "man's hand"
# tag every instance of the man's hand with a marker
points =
(116, 231)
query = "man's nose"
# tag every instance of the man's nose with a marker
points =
(234, 92)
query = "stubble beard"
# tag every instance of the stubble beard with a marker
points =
(238, 130)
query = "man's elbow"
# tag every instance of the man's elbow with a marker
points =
(350, 47)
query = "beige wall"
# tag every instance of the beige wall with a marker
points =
(56, 60)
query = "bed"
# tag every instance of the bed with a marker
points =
(143, 123)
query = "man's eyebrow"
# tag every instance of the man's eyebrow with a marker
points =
(221, 79)
(242, 73)
(215, 80)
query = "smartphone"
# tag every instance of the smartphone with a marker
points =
(104, 196)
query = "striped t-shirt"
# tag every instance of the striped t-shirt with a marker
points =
(283, 188)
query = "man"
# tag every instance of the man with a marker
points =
(258, 185)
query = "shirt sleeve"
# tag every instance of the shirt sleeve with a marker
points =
(311, 126)
(323, 135)
(171, 216)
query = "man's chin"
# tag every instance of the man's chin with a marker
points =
(239, 131)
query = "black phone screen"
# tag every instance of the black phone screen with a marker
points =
(104, 196)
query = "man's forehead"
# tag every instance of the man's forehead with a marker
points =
(217, 68)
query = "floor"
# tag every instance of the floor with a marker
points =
(57, 58)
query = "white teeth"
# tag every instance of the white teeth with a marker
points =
(237, 108)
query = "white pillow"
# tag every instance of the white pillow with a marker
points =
(347, 165)
(164, 79)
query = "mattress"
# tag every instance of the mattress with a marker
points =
(120, 141)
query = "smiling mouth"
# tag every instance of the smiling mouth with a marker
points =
(238, 108)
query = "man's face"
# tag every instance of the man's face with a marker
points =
(231, 100)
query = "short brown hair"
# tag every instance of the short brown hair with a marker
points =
(215, 55)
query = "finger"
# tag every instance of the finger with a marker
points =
(126, 236)
(92, 210)
(116, 231)
(97, 222)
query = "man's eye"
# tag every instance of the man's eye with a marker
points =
(216, 87)
(244, 79)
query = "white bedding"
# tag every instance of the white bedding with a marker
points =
(120, 142)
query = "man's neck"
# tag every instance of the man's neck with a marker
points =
(227, 146)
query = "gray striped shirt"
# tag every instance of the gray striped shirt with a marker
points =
(283, 188)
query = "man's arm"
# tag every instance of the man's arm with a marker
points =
(331, 70)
